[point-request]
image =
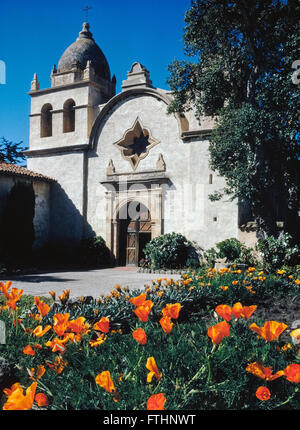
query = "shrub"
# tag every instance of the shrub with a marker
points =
(235, 252)
(171, 251)
(94, 252)
(278, 252)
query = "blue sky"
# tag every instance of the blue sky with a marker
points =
(34, 35)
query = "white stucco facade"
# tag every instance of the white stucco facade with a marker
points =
(124, 148)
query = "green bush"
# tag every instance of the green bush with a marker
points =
(235, 251)
(171, 251)
(278, 252)
(94, 252)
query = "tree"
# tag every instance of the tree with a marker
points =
(11, 152)
(241, 74)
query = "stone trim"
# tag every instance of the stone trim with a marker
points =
(56, 150)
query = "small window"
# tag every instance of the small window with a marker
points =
(210, 179)
(215, 218)
(69, 116)
(46, 120)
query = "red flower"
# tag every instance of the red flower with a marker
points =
(156, 402)
(263, 393)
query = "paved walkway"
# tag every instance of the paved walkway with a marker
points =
(84, 283)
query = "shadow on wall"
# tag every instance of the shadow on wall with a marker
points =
(69, 232)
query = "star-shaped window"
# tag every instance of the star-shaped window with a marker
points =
(136, 143)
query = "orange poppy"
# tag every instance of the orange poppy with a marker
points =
(4, 288)
(156, 402)
(15, 294)
(9, 391)
(39, 331)
(142, 312)
(153, 370)
(224, 311)
(58, 365)
(263, 393)
(28, 350)
(270, 331)
(166, 324)
(18, 401)
(102, 325)
(262, 372)
(292, 373)
(100, 339)
(61, 322)
(79, 326)
(140, 336)
(41, 399)
(218, 332)
(172, 310)
(43, 308)
(105, 381)
(40, 370)
(138, 300)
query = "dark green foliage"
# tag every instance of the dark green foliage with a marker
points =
(196, 375)
(242, 54)
(94, 252)
(11, 152)
(171, 251)
(278, 252)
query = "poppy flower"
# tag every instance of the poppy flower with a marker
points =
(105, 381)
(100, 339)
(4, 288)
(172, 310)
(156, 402)
(270, 331)
(292, 373)
(263, 393)
(79, 326)
(39, 372)
(218, 332)
(18, 401)
(166, 324)
(138, 300)
(153, 370)
(142, 312)
(28, 350)
(61, 322)
(102, 325)
(140, 336)
(39, 331)
(262, 372)
(41, 399)
(224, 311)
(58, 365)
(43, 308)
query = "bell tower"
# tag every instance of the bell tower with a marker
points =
(62, 115)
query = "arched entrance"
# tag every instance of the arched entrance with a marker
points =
(134, 233)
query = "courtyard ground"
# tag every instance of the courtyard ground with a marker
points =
(85, 283)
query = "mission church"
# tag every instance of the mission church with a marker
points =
(119, 165)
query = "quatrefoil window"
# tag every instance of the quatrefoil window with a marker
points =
(136, 143)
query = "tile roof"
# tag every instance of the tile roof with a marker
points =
(15, 170)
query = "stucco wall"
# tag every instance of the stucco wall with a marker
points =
(186, 206)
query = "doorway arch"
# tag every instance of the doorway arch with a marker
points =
(134, 232)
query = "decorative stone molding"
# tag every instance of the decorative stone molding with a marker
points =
(136, 143)
(138, 76)
(35, 85)
(110, 170)
(160, 164)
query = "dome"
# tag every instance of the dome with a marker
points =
(83, 50)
